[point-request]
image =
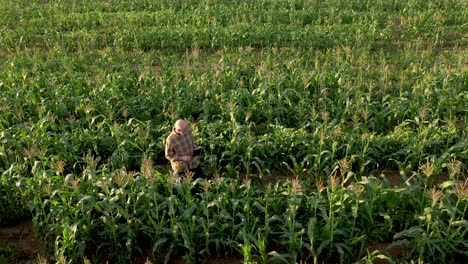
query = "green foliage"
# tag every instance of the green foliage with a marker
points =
(118, 214)
(13, 203)
(320, 89)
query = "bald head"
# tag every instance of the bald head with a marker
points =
(180, 126)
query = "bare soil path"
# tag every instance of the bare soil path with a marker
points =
(19, 243)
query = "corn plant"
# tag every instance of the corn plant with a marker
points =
(338, 90)
(292, 229)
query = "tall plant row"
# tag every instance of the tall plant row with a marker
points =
(334, 94)
(116, 215)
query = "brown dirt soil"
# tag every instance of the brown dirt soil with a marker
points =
(395, 178)
(214, 260)
(394, 252)
(22, 241)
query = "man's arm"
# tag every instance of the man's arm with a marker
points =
(170, 154)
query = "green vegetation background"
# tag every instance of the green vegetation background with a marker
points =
(268, 86)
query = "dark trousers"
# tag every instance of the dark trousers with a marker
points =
(197, 173)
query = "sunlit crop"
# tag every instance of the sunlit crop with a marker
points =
(306, 111)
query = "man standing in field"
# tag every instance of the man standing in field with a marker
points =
(181, 151)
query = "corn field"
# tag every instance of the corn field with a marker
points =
(302, 107)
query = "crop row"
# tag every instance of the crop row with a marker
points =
(210, 25)
(116, 215)
(243, 107)
(330, 92)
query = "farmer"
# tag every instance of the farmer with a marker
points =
(181, 151)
